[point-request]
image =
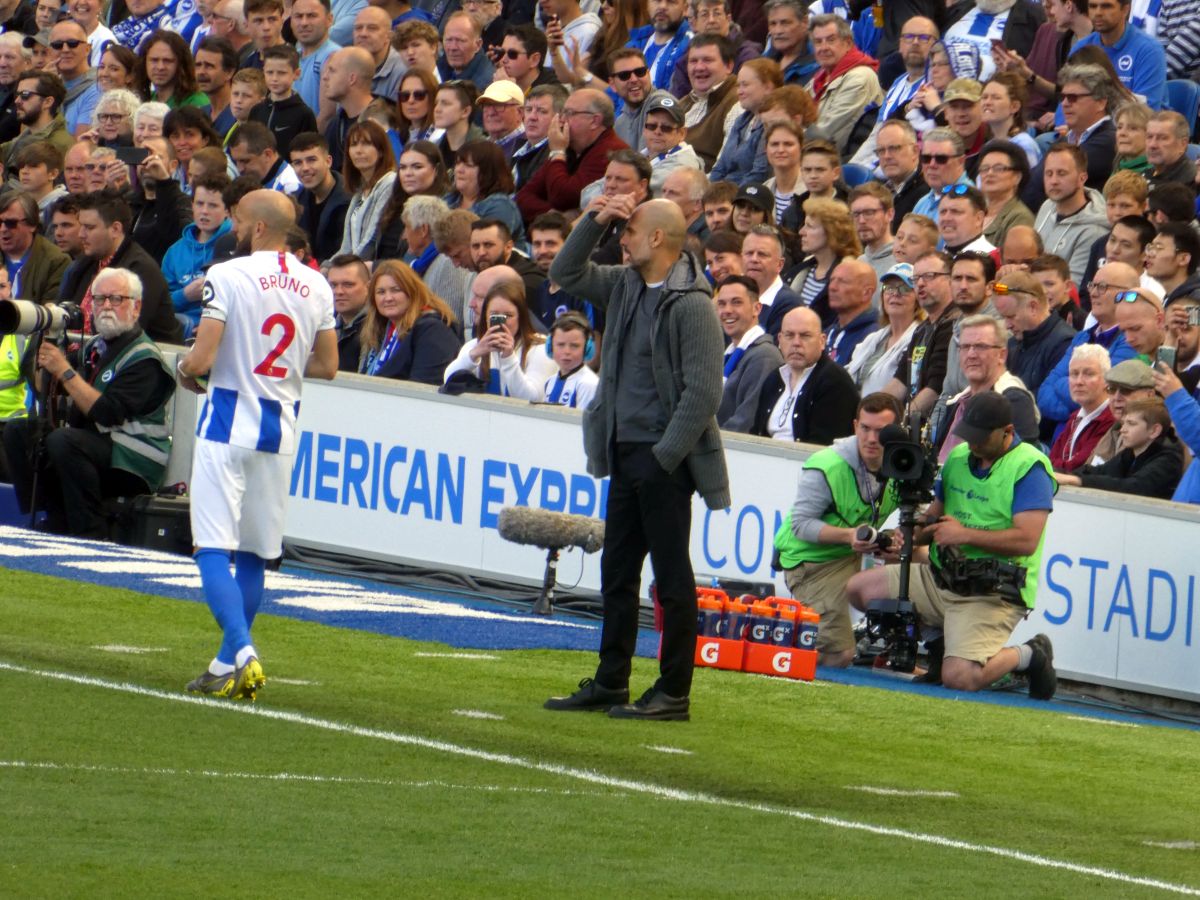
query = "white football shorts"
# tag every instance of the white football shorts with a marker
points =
(239, 497)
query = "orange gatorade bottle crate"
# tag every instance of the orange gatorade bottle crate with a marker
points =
(773, 640)
(720, 625)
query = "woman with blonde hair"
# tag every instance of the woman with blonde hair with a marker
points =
(409, 331)
(873, 364)
(507, 353)
(827, 237)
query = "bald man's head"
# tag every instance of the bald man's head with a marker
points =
(1021, 246)
(801, 340)
(851, 287)
(653, 238)
(262, 219)
(488, 279)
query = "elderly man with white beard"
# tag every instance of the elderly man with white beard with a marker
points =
(117, 440)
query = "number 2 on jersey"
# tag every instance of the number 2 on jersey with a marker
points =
(267, 367)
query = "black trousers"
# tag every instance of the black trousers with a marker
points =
(649, 511)
(74, 480)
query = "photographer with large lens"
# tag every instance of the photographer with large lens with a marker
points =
(819, 550)
(993, 498)
(115, 439)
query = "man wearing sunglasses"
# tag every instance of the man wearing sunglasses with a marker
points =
(1073, 216)
(522, 56)
(960, 220)
(629, 76)
(39, 108)
(943, 162)
(69, 50)
(1142, 322)
(35, 266)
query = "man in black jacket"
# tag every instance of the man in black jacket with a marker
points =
(812, 399)
(160, 210)
(323, 199)
(349, 278)
(104, 222)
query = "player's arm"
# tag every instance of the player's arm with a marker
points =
(199, 360)
(323, 362)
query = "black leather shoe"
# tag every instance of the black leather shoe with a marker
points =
(591, 697)
(1043, 679)
(654, 704)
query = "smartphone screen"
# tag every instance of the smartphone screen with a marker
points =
(1166, 356)
(133, 156)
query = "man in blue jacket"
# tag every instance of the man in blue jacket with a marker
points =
(186, 261)
(664, 41)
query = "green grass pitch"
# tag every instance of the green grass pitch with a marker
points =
(372, 779)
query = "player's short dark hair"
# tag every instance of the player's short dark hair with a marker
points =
(572, 320)
(878, 402)
(720, 192)
(723, 44)
(628, 157)
(309, 140)
(481, 224)
(745, 281)
(286, 52)
(552, 221)
(109, 205)
(257, 6)
(222, 47)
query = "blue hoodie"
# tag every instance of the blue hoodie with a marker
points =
(186, 260)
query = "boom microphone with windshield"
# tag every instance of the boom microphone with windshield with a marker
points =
(552, 531)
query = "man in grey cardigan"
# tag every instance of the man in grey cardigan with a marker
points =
(652, 430)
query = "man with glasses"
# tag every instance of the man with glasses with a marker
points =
(228, 20)
(942, 163)
(69, 46)
(921, 372)
(629, 77)
(39, 100)
(1054, 398)
(502, 105)
(35, 266)
(916, 40)
(1126, 382)
(1088, 100)
(580, 141)
(542, 105)
(117, 440)
(522, 56)
(1172, 258)
(1073, 216)
(662, 138)
(871, 209)
(713, 17)
(900, 165)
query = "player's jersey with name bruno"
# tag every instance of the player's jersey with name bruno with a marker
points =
(272, 306)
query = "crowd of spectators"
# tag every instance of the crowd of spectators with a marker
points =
(932, 200)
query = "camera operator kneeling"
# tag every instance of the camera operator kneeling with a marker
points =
(115, 441)
(840, 489)
(993, 497)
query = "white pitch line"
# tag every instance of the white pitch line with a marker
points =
(625, 784)
(124, 648)
(300, 681)
(456, 656)
(477, 714)
(293, 777)
(1173, 845)
(658, 748)
(898, 792)
(1094, 721)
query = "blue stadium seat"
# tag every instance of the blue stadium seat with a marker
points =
(854, 175)
(1183, 96)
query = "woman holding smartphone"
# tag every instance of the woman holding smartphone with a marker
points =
(507, 354)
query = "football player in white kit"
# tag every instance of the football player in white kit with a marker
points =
(267, 322)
